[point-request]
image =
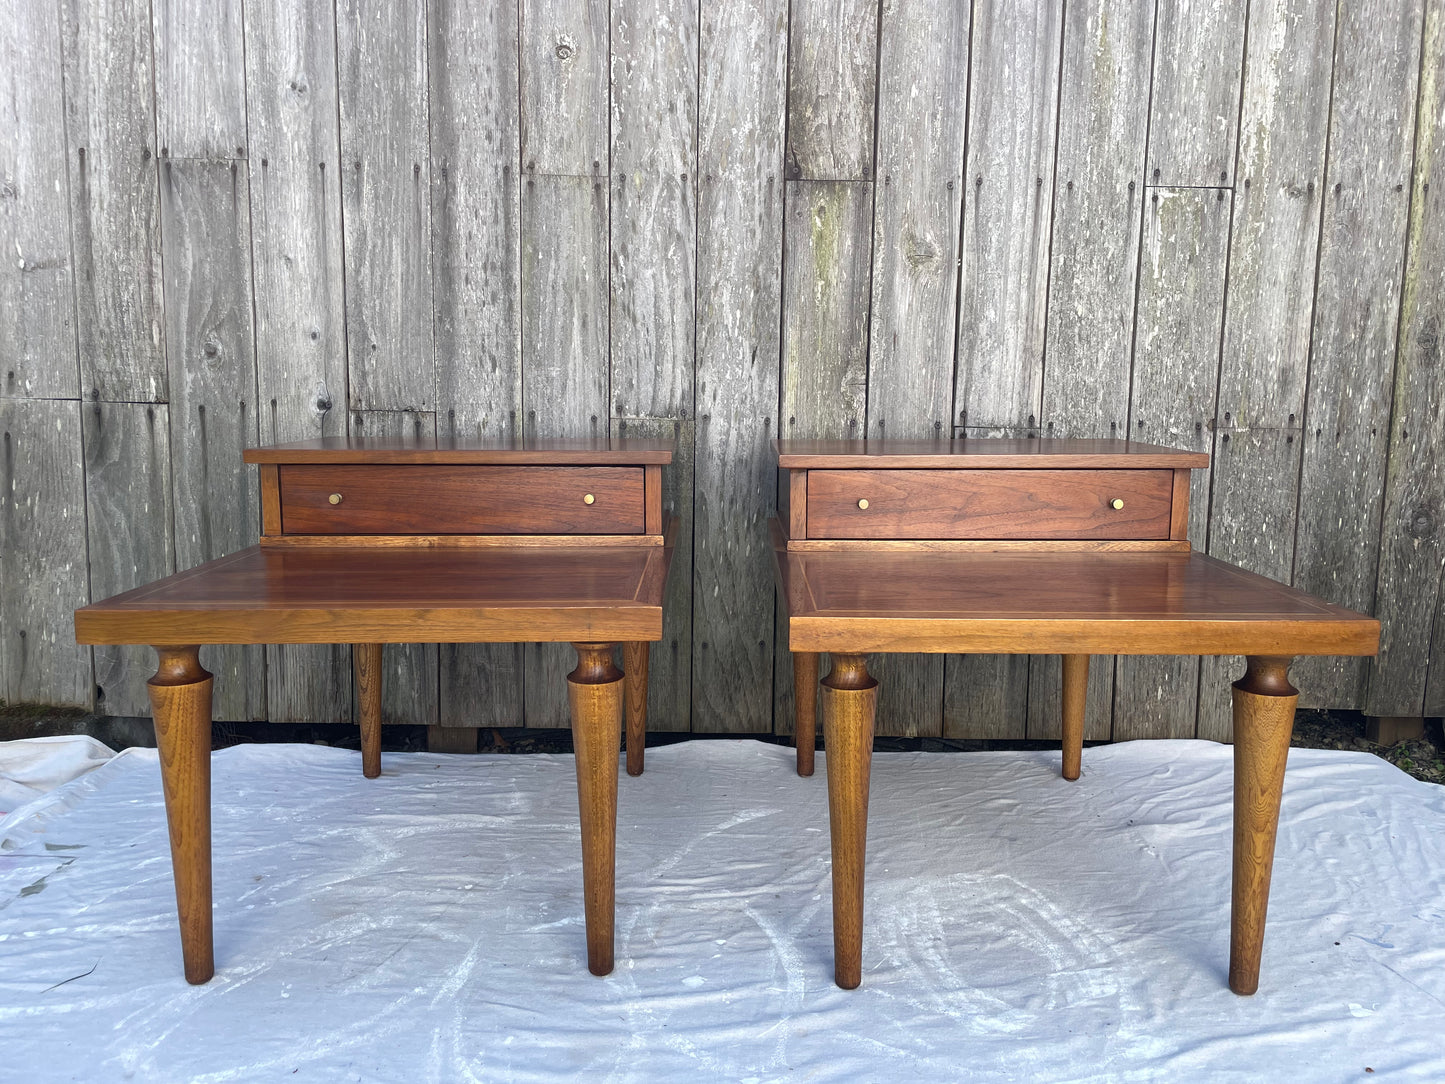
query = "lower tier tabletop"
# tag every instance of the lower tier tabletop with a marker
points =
(1055, 603)
(360, 594)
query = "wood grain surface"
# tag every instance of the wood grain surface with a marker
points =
(180, 701)
(298, 283)
(37, 289)
(1056, 603)
(1357, 307)
(984, 454)
(205, 220)
(42, 552)
(360, 500)
(989, 504)
(1007, 212)
(526, 595)
(742, 50)
(400, 262)
(1410, 591)
(386, 205)
(1194, 105)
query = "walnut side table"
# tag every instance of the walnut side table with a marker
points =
(1074, 547)
(375, 542)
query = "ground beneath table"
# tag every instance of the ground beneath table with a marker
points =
(427, 926)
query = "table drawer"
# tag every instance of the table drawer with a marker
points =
(365, 499)
(989, 504)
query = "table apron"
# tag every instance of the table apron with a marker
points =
(1091, 636)
(517, 625)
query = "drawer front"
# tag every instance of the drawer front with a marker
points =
(390, 499)
(989, 504)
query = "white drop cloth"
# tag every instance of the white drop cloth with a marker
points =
(427, 925)
(31, 767)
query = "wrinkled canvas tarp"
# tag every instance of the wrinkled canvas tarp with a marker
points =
(32, 767)
(427, 925)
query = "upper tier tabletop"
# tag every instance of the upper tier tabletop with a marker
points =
(1055, 603)
(512, 594)
(358, 449)
(981, 453)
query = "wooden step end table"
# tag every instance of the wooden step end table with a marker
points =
(1068, 547)
(376, 542)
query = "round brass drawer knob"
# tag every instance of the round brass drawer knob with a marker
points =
(863, 503)
(1116, 504)
(335, 498)
(589, 499)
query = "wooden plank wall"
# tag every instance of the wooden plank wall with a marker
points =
(1215, 224)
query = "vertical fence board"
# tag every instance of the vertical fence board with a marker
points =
(476, 219)
(1269, 298)
(653, 251)
(1412, 547)
(476, 269)
(564, 360)
(1176, 361)
(386, 205)
(1435, 677)
(1357, 305)
(922, 96)
(409, 682)
(205, 223)
(1007, 211)
(832, 83)
(296, 219)
(669, 674)
(128, 529)
(1276, 214)
(922, 102)
(200, 79)
(1103, 113)
(114, 213)
(564, 110)
(37, 300)
(985, 696)
(742, 47)
(1194, 112)
(296, 259)
(825, 308)
(826, 258)
(42, 553)
(1257, 534)
(564, 306)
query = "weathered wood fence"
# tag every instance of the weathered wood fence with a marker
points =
(1206, 223)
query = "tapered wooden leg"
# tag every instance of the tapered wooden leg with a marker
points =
(1264, 703)
(1076, 688)
(366, 659)
(180, 696)
(850, 698)
(634, 666)
(805, 694)
(595, 692)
